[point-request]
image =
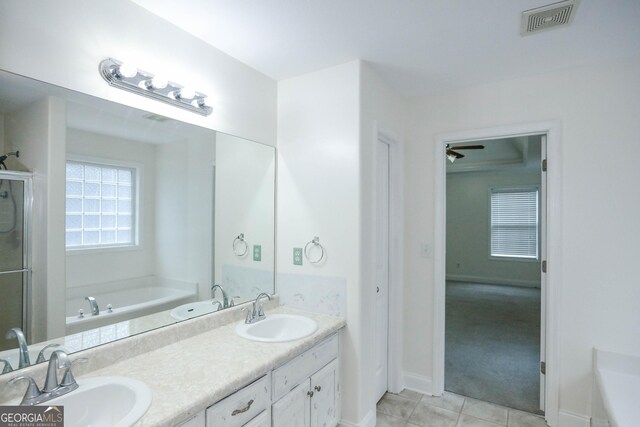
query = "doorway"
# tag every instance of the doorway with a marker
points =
(551, 252)
(493, 308)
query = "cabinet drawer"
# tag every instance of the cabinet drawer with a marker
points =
(262, 420)
(239, 408)
(295, 371)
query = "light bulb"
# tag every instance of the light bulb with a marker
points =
(159, 82)
(186, 93)
(451, 158)
(127, 70)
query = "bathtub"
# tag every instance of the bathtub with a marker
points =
(129, 299)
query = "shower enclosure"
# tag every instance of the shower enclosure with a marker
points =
(15, 268)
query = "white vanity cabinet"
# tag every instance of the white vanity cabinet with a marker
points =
(306, 390)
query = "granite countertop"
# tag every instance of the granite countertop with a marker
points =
(188, 376)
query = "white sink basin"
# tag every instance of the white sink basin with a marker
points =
(193, 309)
(278, 328)
(104, 401)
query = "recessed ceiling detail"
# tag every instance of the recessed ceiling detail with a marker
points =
(547, 17)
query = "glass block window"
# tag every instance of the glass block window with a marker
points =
(514, 223)
(100, 201)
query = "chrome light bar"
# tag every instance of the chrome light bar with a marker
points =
(122, 76)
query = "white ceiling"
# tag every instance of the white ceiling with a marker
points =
(417, 46)
(516, 155)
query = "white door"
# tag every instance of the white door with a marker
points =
(543, 278)
(382, 269)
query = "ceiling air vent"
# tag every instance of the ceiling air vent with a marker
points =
(548, 17)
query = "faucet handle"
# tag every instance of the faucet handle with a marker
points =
(232, 300)
(41, 357)
(67, 378)
(32, 389)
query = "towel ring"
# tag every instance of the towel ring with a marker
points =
(316, 243)
(238, 243)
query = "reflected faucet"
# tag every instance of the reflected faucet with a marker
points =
(225, 299)
(95, 310)
(23, 361)
(7, 366)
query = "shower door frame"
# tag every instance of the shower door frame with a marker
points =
(27, 206)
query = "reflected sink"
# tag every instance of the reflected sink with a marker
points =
(104, 401)
(278, 328)
(193, 309)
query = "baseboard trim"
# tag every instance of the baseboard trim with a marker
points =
(369, 420)
(493, 280)
(570, 419)
(419, 383)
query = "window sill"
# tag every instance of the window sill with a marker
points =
(102, 249)
(513, 258)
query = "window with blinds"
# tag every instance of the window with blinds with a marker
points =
(514, 223)
(99, 205)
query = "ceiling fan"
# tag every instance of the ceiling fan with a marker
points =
(452, 155)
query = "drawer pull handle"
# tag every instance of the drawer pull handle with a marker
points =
(240, 411)
(310, 393)
(318, 388)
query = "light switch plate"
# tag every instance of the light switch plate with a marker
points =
(257, 252)
(297, 256)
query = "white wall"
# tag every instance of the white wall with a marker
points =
(319, 195)
(62, 42)
(38, 132)
(244, 203)
(184, 211)
(468, 230)
(326, 148)
(598, 106)
(89, 267)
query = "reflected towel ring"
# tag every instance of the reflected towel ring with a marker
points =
(316, 243)
(238, 242)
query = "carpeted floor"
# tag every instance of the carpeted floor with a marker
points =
(492, 344)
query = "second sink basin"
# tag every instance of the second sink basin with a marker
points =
(105, 401)
(278, 328)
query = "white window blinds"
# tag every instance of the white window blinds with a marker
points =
(514, 223)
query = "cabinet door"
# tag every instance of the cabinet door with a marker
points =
(293, 409)
(324, 403)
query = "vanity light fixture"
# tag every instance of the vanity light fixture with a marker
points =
(126, 77)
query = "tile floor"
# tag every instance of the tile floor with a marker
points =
(410, 409)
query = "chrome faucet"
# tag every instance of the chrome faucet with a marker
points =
(257, 311)
(225, 299)
(24, 360)
(95, 310)
(41, 358)
(52, 389)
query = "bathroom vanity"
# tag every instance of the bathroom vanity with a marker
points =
(305, 391)
(201, 373)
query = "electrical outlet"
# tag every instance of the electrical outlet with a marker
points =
(257, 252)
(297, 256)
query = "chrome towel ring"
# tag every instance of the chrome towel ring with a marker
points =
(307, 250)
(240, 246)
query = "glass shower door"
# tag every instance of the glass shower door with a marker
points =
(15, 204)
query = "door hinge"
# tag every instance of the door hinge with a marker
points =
(543, 368)
(544, 266)
(544, 165)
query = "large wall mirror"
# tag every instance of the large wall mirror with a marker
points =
(115, 221)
